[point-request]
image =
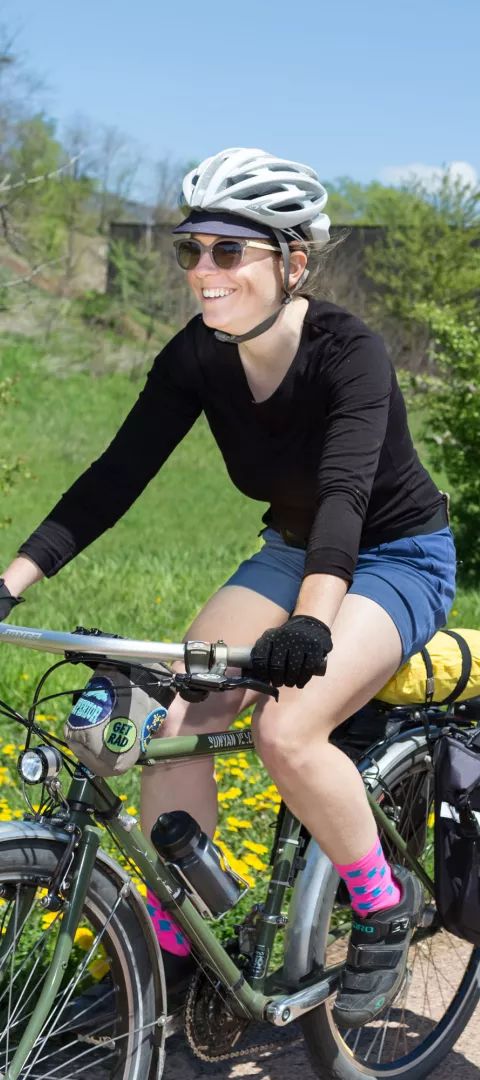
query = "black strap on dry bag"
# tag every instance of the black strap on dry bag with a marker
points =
(463, 678)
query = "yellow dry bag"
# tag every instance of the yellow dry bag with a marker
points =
(446, 670)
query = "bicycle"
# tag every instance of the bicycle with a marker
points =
(54, 879)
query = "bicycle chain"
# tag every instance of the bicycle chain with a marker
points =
(232, 1055)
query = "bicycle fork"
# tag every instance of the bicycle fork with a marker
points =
(82, 869)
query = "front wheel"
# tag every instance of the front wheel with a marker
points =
(109, 969)
(442, 983)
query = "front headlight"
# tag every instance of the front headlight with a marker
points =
(42, 763)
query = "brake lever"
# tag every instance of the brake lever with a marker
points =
(207, 682)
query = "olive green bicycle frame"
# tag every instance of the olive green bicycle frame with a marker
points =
(93, 795)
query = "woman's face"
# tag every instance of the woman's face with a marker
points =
(253, 289)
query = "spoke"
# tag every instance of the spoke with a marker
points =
(402, 1025)
(13, 1021)
(57, 1011)
(39, 945)
(91, 1049)
(12, 957)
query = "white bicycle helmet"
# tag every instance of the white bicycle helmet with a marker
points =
(283, 196)
(280, 194)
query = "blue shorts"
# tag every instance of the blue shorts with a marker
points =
(413, 579)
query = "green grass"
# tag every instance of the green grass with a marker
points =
(147, 578)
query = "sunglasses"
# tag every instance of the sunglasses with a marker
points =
(226, 254)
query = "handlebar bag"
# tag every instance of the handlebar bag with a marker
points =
(456, 759)
(113, 719)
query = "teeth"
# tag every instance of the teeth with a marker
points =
(213, 293)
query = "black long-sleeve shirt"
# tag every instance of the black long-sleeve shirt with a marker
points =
(330, 449)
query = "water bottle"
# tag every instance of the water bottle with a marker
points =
(213, 888)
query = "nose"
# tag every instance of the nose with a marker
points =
(206, 262)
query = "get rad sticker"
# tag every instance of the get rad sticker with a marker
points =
(119, 736)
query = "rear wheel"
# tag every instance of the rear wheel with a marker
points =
(117, 1037)
(442, 984)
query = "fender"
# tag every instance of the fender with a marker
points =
(311, 904)
(22, 832)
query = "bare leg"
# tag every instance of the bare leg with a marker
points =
(319, 783)
(238, 616)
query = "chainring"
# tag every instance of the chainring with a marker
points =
(211, 1025)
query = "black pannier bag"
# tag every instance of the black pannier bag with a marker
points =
(456, 760)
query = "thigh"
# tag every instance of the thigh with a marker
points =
(238, 616)
(367, 650)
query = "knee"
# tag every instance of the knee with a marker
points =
(285, 742)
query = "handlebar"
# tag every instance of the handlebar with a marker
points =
(198, 656)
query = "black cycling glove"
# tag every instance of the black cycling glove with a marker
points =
(290, 654)
(7, 601)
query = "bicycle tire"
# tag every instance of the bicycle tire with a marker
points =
(132, 1050)
(404, 765)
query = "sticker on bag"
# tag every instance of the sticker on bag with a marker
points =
(113, 720)
(95, 704)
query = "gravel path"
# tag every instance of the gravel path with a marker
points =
(288, 1061)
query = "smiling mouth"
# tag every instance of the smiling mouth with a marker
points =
(216, 294)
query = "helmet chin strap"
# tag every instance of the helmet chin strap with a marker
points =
(237, 339)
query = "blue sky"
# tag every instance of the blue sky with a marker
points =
(351, 88)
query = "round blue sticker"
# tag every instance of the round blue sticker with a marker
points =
(151, 725)
(95, 704)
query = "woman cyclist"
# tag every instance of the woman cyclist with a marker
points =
(357, 568)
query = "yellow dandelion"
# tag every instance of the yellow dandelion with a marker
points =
(83, 938)
(9, 749)
(239, 824)
(240, 867)
(223, 797)
(255, 862)
(245, 722)
(236, 772)
(140, 886)
(132, 810)
(48, 918)
(233, 792)
(99, 968)
(250, 801)
(258, 849)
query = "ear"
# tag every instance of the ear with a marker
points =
(298, 264)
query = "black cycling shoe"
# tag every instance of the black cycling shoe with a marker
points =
(94, 1010)
(377, 956)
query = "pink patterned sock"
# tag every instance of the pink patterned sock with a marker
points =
(370, 882)
(170, 936)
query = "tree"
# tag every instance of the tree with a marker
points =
(452, 423)
(116, 165)
(431, 247)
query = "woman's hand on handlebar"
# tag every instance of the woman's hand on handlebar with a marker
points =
(289, 655)
(7, 601)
